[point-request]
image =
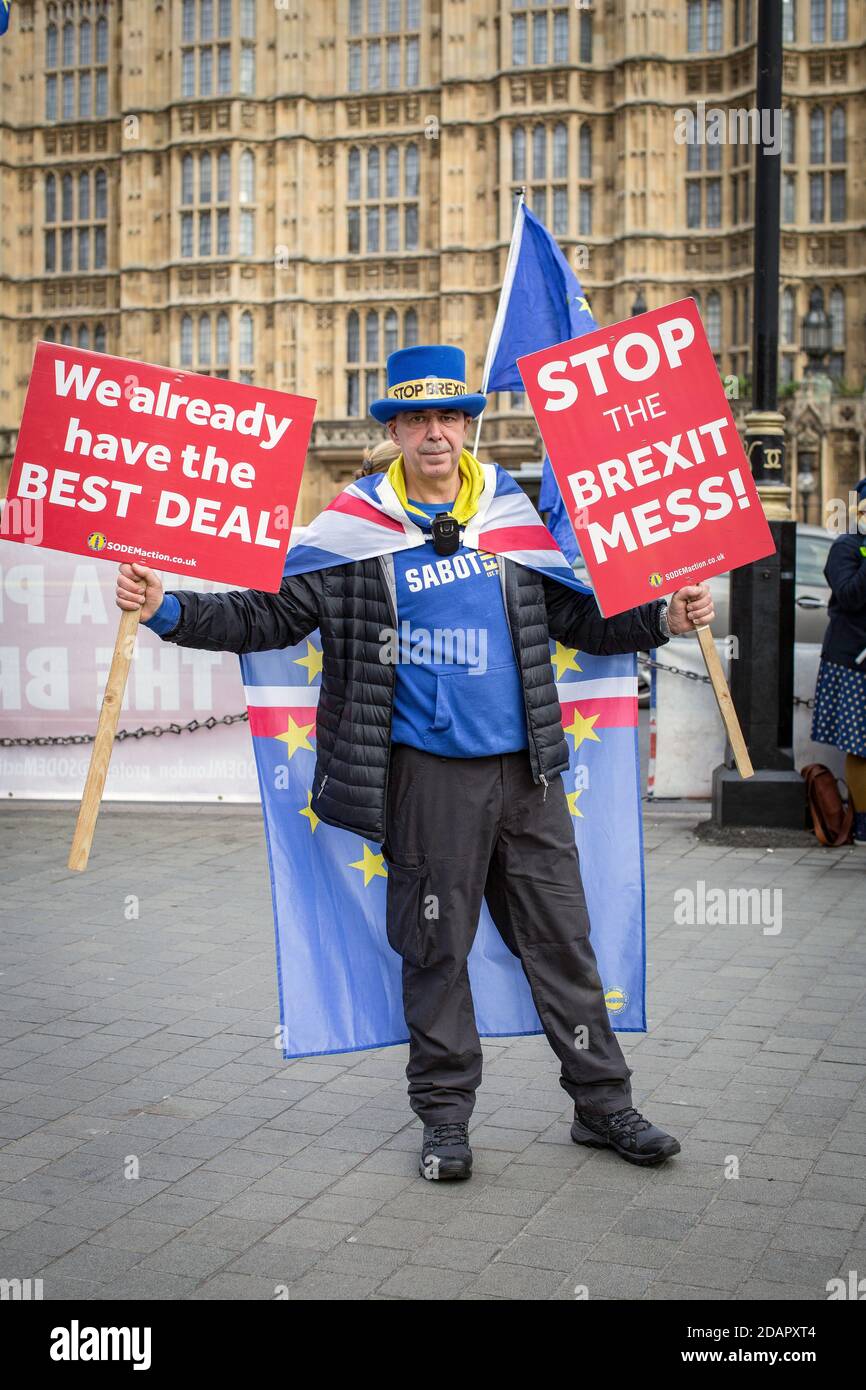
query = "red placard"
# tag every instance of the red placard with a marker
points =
(181, 472)
(646, 453)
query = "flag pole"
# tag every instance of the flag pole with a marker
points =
(502, 307)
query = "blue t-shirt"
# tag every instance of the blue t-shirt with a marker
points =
(458, 689)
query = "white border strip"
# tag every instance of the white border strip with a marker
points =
(609, 687)
(278, 696)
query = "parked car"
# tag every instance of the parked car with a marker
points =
(811, 594)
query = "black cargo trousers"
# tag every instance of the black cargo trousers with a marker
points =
(460, 830)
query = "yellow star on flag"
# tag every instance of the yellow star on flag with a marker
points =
(312, 661)
(563, 660)
(571, 798)
(296, 736)
(582, 304)
(581, 728)
(310, 813)
(371, 866)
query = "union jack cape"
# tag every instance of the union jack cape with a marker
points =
(339, 981)
(367, 518)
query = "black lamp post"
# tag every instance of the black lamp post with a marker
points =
(762, 594)
(816, 332)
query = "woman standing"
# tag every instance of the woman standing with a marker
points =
(839, 716)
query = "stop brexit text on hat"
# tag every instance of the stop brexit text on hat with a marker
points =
(646, 453)
(431, 376)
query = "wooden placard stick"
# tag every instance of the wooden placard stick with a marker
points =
(103, 743)
(724, 701)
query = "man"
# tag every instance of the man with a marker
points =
(451, 764)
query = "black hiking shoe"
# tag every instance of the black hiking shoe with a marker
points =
(626, 1131)
(446, 1154)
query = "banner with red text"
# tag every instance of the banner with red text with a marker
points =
(185, 473)
(645, 450)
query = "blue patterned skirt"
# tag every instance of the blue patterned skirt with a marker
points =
(839, 716)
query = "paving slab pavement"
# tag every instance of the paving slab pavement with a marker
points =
(154, 1145)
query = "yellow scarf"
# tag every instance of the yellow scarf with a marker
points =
(471, 486)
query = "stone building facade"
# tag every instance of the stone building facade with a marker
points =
(282, 191)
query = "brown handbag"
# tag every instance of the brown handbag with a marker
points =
(832, 818)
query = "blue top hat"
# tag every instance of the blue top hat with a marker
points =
(427, 378)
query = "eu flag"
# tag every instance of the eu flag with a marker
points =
(542, 303)
(339, 981)
(4, 15)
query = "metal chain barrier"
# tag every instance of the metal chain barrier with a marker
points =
(699, 676)
(156, 732)
(210, 723)
(673, 670)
